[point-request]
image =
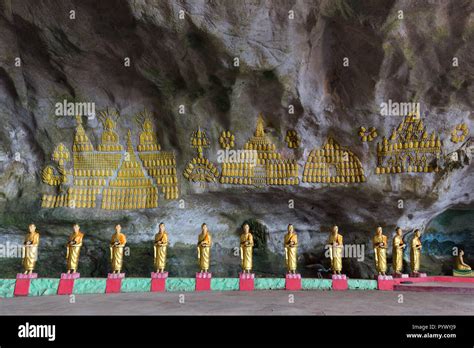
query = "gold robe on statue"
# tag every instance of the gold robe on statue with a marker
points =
(246, 251)
(204, 253)
(290, 251)
(73, 250)
(161, 243)
(116, 251)
(335, 252)
(415, 254)
(30, 252)
(380, 253)
(459, 266)
(397, 254)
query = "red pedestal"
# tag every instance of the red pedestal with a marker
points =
(293, 281)
(385, 283)
(400, 275)
(417, 275)
(114, 283)
(158, 281)
(203, 281)
(339, 282)
(66, 283)
(246, 281)
(22, 284)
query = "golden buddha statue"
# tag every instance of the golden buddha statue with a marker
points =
(30, 249)
(397, 251)
(161, 244)
(291, 245)
(73, 249)
(117, 243)
(246, 249)
(204, 248)
(380, 250)
(459, 263)
(415, 252)
(335, 250)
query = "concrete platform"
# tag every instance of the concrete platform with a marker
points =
(279, 302)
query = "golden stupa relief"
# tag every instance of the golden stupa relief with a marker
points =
(410, 148)
(459, 133)
(111, 177)
(259, 163)
(367, 134)
(200, 169)
(333, 163)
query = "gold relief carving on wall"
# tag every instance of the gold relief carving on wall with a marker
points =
(200, 169)
(459, 133)
(333, 164)
(410, 148)
(367, 134)
(292, 139)
(259, 163)
(112, 177)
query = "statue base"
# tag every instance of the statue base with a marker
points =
(293, 281)
(66, 283)
(203, 281)
(22, 284)
(400, 275)
(339, 282)
(114, 283)
(158, 281)
(385, 282)
(246, 281)
(417, 275)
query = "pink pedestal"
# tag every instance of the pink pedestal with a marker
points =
(246, 281)
(385, 283)
(293, 281)
(22, 284)
(114, 283)
(203, 281)
(158, 281)
(339, 282)
(66, 283)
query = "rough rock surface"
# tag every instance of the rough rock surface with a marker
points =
(283, 62)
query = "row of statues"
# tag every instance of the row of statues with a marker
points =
(204, 244)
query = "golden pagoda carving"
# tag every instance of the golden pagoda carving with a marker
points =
(333, 164)
(111, 178)
(410, 148)
(110, 138)
(259, 163)
(200, 169)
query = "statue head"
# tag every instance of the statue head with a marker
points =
(461, 252)
(31, 228)
(118, 228)
(291, 229)
(335, 229)
(161, 227)
(399, 231)
(417, 233)
(379, 231)
(246, 228)
(204, 228)
(76, 228)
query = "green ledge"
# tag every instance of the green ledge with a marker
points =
(180, 284)
(269, 283)
(43, 286)
(7, 287)
(316, 284)
(362, 284)
(136, 285)
(89, 286)
(224, 284)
